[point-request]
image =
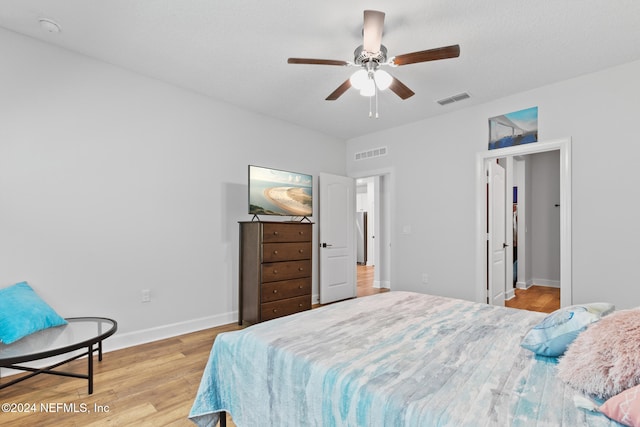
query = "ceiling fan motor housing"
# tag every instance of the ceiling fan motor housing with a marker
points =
(361, 56)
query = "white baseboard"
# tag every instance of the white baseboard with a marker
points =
(524, 285)
(546, 282)
(510, 294)
(382, 284)
(130, 339)
(538, 282)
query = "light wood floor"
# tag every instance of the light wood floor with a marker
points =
(365, 282)
(147, 385)
(537, 298)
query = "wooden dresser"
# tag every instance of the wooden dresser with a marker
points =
(275, 269)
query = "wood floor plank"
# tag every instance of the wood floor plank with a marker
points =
(536, 298)
(135, 415)
(365, 281)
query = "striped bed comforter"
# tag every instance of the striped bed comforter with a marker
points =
(393, 359)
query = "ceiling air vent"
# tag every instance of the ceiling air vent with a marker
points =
(454, 98)
(375, 152)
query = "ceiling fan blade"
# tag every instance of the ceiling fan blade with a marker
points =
(316, 61)
(372, 30)
(400, 89)
(339, 91)
(428, 55)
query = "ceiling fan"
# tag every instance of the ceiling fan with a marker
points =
(372, 55)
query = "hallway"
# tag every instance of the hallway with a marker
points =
(365, 282)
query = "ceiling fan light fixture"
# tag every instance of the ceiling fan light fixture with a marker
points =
(369, 88)
(359, 79)
(383, 79)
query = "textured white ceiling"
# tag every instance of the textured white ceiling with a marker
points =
(236, 51)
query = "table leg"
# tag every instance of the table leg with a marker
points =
(90, 374)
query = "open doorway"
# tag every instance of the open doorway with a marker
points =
(535, 222)
(562, 209)
(373, 234)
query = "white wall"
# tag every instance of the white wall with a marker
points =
(111, 182)
(434, 164)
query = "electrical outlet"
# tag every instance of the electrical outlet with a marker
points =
(425, 278)
(146, 295)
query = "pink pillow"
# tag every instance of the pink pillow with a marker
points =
(624, 407)
(604, 360)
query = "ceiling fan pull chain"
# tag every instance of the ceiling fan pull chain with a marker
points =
(370, 112)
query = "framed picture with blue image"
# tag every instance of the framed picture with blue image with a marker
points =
(517, 128)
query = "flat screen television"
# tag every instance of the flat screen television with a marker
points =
(279, 192)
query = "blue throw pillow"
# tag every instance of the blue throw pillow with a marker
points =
(552, 336)
(23, 312)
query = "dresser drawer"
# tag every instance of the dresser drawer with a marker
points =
(274, 291)
(273, 252)
(284, 307)
(284, 232)
(275, 271)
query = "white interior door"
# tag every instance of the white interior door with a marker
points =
(496, 238)
(337, 238)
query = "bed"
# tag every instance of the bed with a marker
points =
(392, 359)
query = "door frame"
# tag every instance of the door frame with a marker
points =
(388, 173)
(564, 146)
(522, 222)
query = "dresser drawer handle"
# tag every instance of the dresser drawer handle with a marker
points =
(300, 268)
(301, 232)
(275, 291)
(275, 310)
(275, 233)
(275, 252)
(275, 271)
(300, 287)
(300, 305)
(301, 251)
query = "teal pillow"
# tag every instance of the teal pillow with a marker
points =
(552, 336)
(23, 312)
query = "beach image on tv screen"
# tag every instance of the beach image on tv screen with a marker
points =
(277, 192)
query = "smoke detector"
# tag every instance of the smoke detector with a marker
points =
(49, 25)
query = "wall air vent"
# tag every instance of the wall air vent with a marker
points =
(454, 98)
(369, 154)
